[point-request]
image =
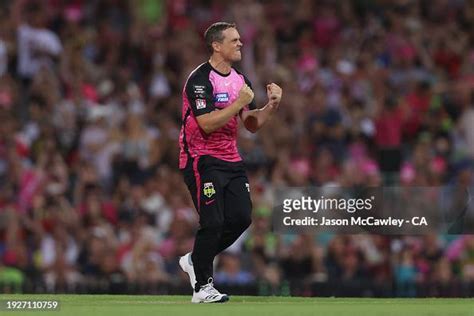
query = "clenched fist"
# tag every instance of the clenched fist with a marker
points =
(245, 95)
(274, 93)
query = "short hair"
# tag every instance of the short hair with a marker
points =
(214, 33)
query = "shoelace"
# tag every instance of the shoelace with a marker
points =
(209, 288)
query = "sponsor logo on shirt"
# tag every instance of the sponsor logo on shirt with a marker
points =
(199, 89)
(200, 104)
(221, 97)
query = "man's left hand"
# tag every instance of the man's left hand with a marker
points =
(274, 93)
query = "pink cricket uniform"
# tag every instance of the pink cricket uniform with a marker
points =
(207, 90)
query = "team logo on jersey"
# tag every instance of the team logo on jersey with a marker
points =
(248, 186)
(221, 97)
(209, 189)
(200, 104)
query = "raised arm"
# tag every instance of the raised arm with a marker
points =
(255, 119)
(214, 120)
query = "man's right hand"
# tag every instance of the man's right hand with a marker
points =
(245, 95)
(214, 120)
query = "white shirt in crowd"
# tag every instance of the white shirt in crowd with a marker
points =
(3, 58)
(36, 47)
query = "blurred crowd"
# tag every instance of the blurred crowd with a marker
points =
(375, 93)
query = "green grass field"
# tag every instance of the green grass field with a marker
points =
(127, 305)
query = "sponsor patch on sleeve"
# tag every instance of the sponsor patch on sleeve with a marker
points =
(200, 104)
(199, 89)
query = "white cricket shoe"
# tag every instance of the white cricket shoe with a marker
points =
(186, 264)
(208, 294)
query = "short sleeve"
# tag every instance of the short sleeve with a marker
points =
(199, 92)
(253, 104)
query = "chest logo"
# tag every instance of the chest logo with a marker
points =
(221, 97)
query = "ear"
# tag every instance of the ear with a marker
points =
(216, 46)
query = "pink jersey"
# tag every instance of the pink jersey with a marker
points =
(207, 90)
